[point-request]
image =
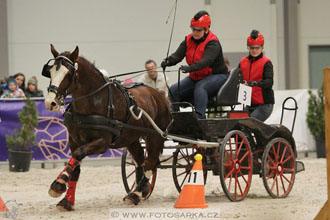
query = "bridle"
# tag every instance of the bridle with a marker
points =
(60, 93)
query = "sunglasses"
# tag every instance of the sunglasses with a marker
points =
(198, 29)
(254, 47)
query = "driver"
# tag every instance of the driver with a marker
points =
(206, 67)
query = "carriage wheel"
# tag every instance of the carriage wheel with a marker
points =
(128, 172)
(183, 161)
(235, 165)
(278, 168)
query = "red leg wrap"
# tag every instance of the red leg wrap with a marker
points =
(70, 193)
(68, 169)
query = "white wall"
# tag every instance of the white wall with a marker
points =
(118, 35)
(314, 23)
(121, 35)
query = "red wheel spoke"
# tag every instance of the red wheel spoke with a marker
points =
(231, 150)
(278, 150)
(287, 179)
(274, 152)
(272, 168)
(230, 156)
(277, 190)
(283, 154)
(282, 184)
(247, 153)
(270, 175)
(288, 158)
(231, 177)
(270, 159)
(230, 172)
(245, 168)
(243, 177)
(236, 180)
(240, 147)
(239, 187)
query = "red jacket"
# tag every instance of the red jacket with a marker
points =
(195, 52)
(253, 71)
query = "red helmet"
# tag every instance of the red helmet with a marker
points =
(201, 22)
(255, 38)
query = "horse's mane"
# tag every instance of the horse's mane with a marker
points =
(83, 61)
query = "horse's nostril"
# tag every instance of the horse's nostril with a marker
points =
(53, 104)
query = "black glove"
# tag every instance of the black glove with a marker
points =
(185, 69)
(165, 63)
(253, 83)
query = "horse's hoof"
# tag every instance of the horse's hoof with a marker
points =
(146, 190)
(131, 199)
(54, 194)
(56, 189)
(64, 205)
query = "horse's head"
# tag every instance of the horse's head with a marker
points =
(61, 71)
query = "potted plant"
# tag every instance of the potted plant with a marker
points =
(21, 144)
(315, 120)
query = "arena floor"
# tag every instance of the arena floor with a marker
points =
(100, 192)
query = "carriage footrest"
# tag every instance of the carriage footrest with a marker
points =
(300, 166)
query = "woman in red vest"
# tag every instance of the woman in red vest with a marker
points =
(258, 72)
(206, 67)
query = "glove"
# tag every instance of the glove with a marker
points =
(253, 83)
(185, 69)
(165, 63)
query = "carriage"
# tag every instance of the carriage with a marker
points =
(105, 114)
(234, 147)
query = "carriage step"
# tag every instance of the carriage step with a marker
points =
(300, 166)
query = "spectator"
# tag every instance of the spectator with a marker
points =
(152, 78)
(3, 83)
(12, 91)
(206, 67)
(32, 88)
(20, 80)
(258, 72)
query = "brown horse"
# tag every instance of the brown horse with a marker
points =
(98, 118)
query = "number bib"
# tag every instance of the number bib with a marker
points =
(244, 94)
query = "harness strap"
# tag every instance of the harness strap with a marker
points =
(91, 121)
(101, 122)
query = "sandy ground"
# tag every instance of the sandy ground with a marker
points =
(100, 192)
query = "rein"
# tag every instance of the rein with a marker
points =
(89, 94)
(139, 71)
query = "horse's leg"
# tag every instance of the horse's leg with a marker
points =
(138, 155)
(154, 144)
(67, 202)
(59, 185)
(98, 146)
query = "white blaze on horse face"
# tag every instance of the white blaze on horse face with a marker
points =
(56, 79)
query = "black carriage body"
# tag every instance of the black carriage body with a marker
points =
(214, 129)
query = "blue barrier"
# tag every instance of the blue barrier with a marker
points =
(51, 134)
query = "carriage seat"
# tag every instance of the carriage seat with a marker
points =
(228, 93)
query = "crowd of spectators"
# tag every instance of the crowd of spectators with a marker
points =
(14, 87)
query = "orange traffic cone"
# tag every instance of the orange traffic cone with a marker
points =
(3, 206)
(192, 195)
